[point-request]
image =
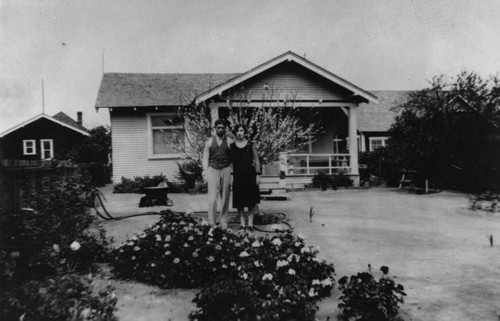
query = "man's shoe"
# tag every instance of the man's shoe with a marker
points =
(250, 229)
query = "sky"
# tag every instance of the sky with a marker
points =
(375, 44)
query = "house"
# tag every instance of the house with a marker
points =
(143, 115)
(41, 138)
(374, 121)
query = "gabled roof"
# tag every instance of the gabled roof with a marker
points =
(379, 117)
(136, 89)
(287, 56)
(68, 120)
(57, 120)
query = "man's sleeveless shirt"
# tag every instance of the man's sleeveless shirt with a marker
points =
(219, 155)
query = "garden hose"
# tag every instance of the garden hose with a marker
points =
(269, 222)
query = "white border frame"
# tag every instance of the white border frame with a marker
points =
(371, 139)
(151, 155)
(25, 147)
(42, 149)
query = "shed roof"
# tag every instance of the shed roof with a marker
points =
(379, 117)
(140, 89)
(65, 123)
(68, 120)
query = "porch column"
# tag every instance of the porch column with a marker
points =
(353, 141)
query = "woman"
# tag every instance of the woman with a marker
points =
(246, 176)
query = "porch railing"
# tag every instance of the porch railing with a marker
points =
(303, 164)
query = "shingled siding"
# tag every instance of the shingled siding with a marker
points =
(130, 150)
(292, 78)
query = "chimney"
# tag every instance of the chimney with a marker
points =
(79, 117)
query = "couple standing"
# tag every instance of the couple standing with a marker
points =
(219, 154)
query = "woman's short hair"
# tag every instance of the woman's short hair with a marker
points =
(238, 126)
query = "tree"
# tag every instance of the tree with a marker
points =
(274, 126)
(445, 132)
(95, 148)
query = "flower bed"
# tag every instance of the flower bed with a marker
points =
(281, 274)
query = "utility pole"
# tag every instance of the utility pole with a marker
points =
(43, 99)
(102, 58)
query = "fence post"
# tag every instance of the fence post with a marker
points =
(283, 167)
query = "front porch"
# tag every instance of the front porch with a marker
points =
(295, 170)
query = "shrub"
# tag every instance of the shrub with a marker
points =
(37, 243)
(190, 172)
(366, 299)
(324, 181)
(67, 297)
(180, 252)
(137, 184)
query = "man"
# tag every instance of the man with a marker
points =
(217, 169)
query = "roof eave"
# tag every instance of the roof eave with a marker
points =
(288, 56)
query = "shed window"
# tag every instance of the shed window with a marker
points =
(167, 135)
(47, 148)
(29, 147)
(377, 142)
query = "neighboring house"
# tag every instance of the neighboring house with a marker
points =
(41, 138)
(143, 116)
(374, 121)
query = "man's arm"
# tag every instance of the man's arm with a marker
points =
(206, 151)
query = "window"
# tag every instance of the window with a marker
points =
(47, 148)
(166, 135)
(29, 147)
(377, 142)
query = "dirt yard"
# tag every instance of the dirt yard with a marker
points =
(436, 247)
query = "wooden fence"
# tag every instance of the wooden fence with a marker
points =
(13, 178)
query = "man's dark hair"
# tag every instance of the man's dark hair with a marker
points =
(220, 122)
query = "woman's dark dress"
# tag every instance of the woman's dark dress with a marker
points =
(245, 188)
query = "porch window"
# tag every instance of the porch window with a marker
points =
(377, 142)
(47, 148)
(29, 147)
(166, 135)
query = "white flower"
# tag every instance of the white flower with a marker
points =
(224, 266)
(176, 260)
(267, 276)
(327, 282)
(186, 245)
(312, 293)
(291, 271)
(301, 236)
(75, 246)
(244, 276)
(133, 257)
(153, 265)
(195, 254)
(281, 263)
(85, 313)
(297, 244)
(237, 244)
(218, 247)
(166, 245)
(158, 237)
(168, 238)
(136, 248)
(168, 253)
(316, 282)
(276, 241)
(256, 244)
(210, 258)
(232, 264)
(244, 254)
(134, 238)
(56, 248)
(211, 231)
(190, 238)
(305, 250)
(256, 263)
(293, 256)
